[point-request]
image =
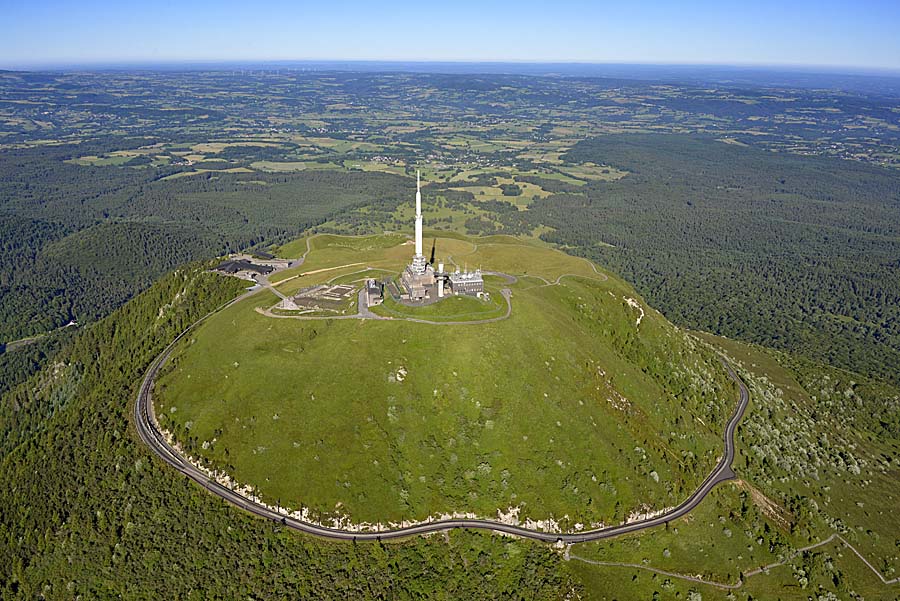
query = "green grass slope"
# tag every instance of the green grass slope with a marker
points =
(818, 457)
(91, 513)
(569, 409)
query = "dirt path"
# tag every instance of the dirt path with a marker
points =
(363, 270)
(747, 574)
(14, 345)
(603, 277)
(313, 272)
(556, 282)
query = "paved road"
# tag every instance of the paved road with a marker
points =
(149, 432)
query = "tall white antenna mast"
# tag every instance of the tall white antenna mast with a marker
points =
(418, 215)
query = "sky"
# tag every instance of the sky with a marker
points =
(836, 33)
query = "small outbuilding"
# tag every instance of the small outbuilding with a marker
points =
(374, 292)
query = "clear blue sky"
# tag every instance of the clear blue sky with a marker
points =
(844, 33)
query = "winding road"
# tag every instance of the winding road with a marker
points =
(149, 431)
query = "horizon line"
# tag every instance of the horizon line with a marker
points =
(107, 64)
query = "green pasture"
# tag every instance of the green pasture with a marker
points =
(288, 166)
(590, 171)
(197, 171)
(394, 168)
(567, 408)
(727, 536)
(862, 503)
(529, 192)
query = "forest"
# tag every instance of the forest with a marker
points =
(76, 242)
(794, 253)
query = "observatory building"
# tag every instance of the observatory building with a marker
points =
(466, 282)
(419, 279)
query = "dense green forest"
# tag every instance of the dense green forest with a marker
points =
(16, 366)
(790, 252)
(76, 242)
(105, 520)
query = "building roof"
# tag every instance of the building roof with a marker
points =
(373, 287)
(466, 276)
(233, 266)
